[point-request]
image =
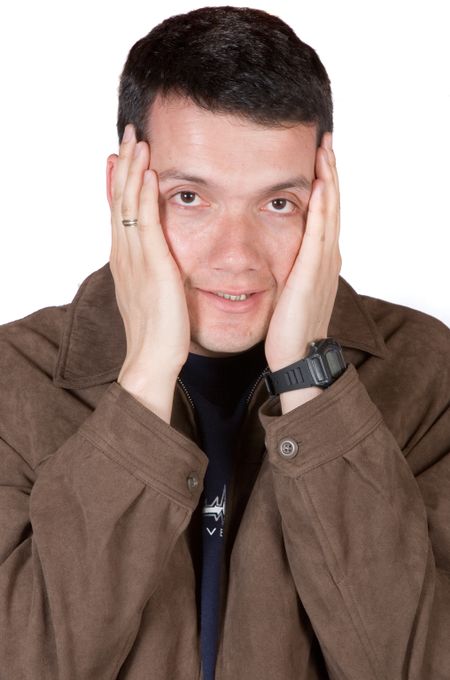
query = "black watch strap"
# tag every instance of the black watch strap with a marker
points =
(292, 377)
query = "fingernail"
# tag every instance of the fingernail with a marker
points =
(127, 133)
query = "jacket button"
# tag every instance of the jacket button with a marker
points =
(288, 448)
(192, 481)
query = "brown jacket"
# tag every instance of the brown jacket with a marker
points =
(337, 559)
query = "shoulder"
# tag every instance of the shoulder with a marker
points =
(411, 383)
(29, 401)
(408, 330)
(32, 341)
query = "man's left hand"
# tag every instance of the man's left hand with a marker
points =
(303, 310)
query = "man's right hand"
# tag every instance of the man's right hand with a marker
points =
(148, 284)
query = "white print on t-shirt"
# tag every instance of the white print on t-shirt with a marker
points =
(216, 509)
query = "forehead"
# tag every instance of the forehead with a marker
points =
(183, 135)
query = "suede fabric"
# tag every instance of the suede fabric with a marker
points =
(337, 560)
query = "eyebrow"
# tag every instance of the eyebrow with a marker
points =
(298, 182)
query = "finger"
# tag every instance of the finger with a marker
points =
(331, 256)
(320, 197)
(332, 164)
(154, 244)
(310, 255)
(335, 206)
(327, 144)
(327, 140)
(326, 171)
(131, 195)
(126, 150)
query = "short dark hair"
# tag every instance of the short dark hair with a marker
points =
(234, 60)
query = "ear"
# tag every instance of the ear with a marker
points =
(111, 164)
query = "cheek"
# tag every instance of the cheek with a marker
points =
(285, 255)
(186, 245)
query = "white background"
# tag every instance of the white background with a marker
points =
(389, 67)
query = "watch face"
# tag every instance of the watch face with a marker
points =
(334, 361)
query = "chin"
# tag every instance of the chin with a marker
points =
(208, 344)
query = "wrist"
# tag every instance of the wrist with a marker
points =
(323, 364)
(291, 400)
(141, 371)
(154, 390)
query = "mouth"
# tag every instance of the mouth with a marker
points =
(236, 301)
(235, 296)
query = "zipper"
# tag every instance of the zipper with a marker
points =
(247, 401)
(229, 504)
(186, 392)
(222, 605)
(238, 444)
(261, 375)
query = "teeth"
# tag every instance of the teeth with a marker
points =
(233, 297)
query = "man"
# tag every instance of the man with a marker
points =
(197, 481)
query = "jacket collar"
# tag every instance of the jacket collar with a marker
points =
(93, 344)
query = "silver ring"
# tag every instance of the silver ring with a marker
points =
(129, 223)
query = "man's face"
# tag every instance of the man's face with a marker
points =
(229, 224)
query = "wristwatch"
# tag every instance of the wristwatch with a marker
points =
(320, 368)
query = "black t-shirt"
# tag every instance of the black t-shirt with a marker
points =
(219, 388)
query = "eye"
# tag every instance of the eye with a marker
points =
(185, 198)
(279, 205)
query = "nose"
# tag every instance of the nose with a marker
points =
(235, 246)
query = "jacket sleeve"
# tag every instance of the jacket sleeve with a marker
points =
(368, 543)
(83, 548)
